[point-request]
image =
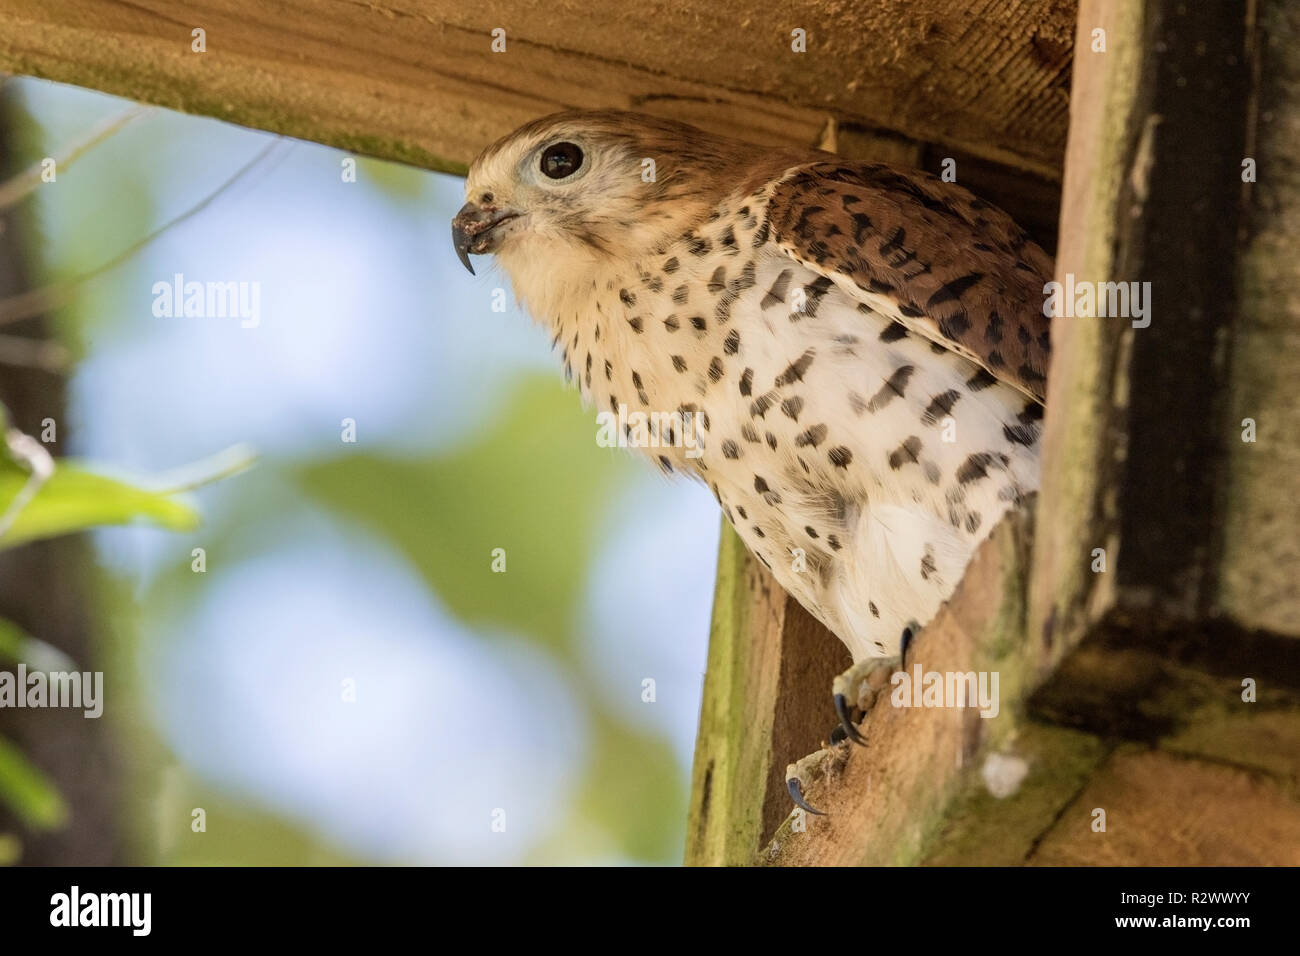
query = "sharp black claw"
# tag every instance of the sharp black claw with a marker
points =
(838, 734)
(842, 709)
(903, 644)
(796, 794)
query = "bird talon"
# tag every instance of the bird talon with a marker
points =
(846, 721)
(795, 787)
(903, 643)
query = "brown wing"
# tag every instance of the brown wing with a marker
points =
(957, 269)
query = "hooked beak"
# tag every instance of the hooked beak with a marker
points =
(472, 228)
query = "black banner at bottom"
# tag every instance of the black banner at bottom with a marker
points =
(334, 905)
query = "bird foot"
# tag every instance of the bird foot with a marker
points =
(854, 692)
(811, 768)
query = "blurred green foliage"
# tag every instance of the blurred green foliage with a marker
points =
(27, 791)
(32, 507)
(74, 499)
(536, 485)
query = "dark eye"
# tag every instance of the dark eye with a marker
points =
(561, 160)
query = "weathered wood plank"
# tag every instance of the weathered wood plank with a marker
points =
(725, 817)
(1164, 810)
(1259, 583)
(1198, 769)
(1143, 430)
(418, 81)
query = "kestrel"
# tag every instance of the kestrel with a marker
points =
(862, 348)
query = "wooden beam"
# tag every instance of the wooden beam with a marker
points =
(418, 81)
(1144, 429)
(1259, 548)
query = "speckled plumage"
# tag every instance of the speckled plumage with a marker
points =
(827, 322)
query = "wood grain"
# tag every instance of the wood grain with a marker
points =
(417, 80)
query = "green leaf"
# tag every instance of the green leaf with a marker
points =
(27, 791)
(74, 499)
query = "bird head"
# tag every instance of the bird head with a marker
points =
(578, 186)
